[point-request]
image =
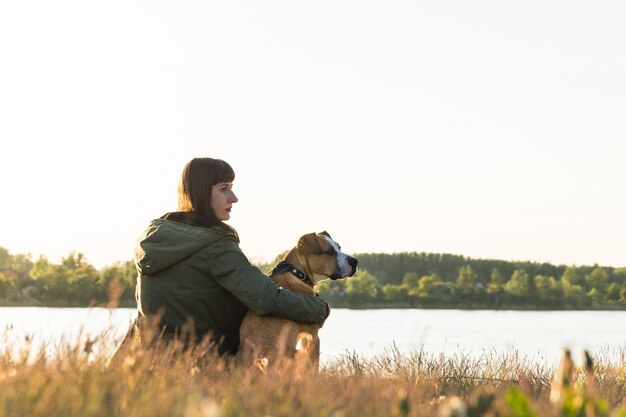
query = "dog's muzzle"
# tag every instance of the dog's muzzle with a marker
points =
(353, 262)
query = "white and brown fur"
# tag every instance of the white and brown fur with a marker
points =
(267, 339)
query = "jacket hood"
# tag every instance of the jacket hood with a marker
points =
(164, 243)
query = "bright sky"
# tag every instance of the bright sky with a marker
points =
(492, 129)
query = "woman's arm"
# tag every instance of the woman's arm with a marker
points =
(232, 270)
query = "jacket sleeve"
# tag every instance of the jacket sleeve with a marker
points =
(231, 269)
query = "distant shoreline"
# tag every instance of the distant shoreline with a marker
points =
(362, 306)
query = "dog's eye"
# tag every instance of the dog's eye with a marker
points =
(330, 252)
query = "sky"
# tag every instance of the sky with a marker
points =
(489, 129)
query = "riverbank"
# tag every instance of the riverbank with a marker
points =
(351, 306)
(443, 306)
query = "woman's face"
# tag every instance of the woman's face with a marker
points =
(222, 200)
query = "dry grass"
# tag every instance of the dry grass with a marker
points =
(170, 381)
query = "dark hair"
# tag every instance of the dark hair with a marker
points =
(195, 186)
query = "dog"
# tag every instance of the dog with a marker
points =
(267, 340)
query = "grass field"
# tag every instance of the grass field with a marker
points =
(171, 381)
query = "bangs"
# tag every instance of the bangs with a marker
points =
(223, 172)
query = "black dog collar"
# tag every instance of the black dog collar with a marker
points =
(284, 266)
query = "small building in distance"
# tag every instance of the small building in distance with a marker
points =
(9, 273)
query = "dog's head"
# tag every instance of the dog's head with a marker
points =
(324, 257)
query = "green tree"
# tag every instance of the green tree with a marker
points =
(22, 263)
(466, 281)
(331, 291)
(556, 289)
(116, 283)
(51, 281)
(363, 286)
(518, 284)
(40, 267)
(411, 279)
(81, 279)
(612, 292)
(575, 294)
(395, 293)
(598, 279)
(5, 257)
(549, 290)
(7, 286)
(542, 284)
(73, 261)
(571, 276)
(427, 285)
(597, 297)
(496, 281)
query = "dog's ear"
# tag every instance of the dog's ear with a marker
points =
(324, 233)
(309, 243)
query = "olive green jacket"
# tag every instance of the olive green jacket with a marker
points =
(187, 271)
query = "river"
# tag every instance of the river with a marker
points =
(537, 336)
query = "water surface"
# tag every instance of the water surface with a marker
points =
(536, 335)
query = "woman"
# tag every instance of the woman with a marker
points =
(190, 266)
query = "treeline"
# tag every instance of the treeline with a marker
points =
(72, 282)
(420, 280)
(430, 280)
